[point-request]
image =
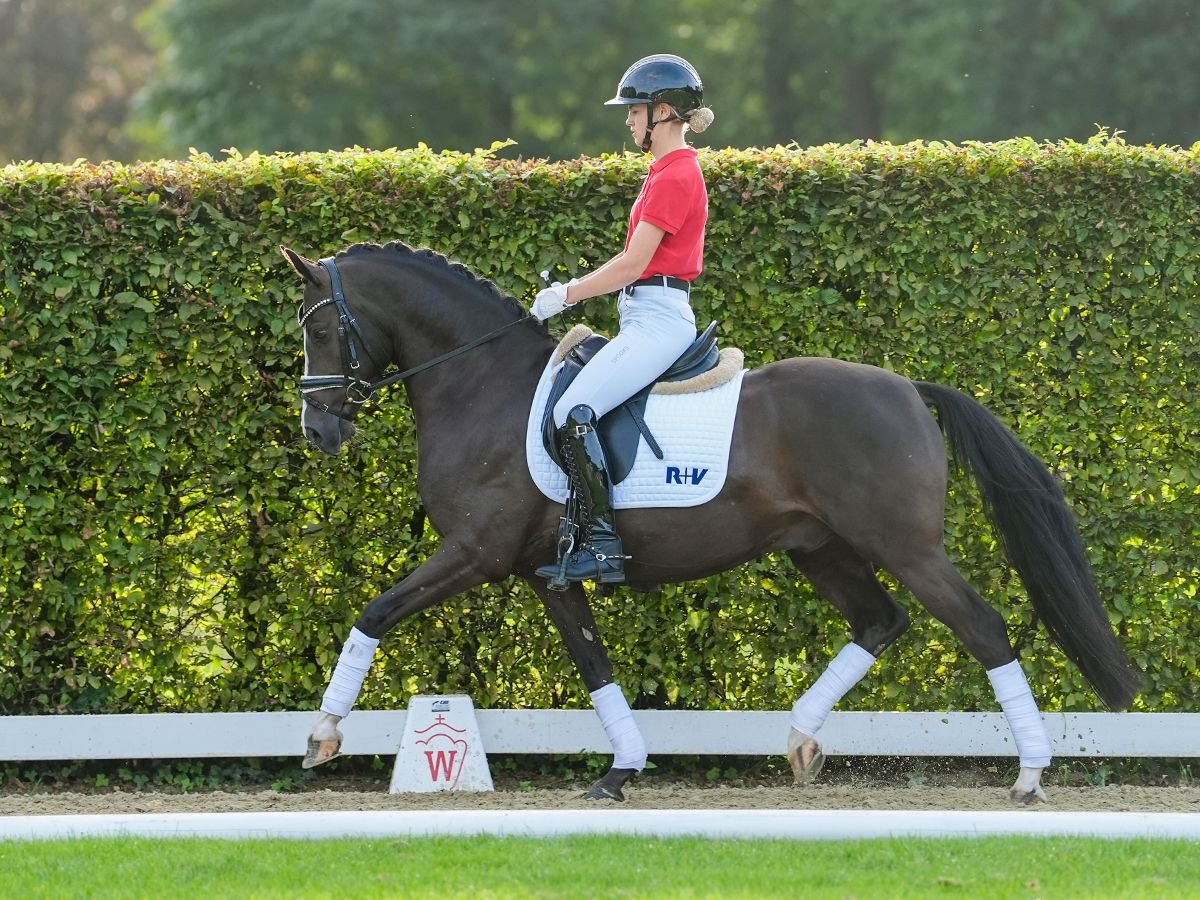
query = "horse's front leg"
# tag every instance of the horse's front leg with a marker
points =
(572, 615)
(448, 572)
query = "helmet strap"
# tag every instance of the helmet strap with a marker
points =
(650, 123)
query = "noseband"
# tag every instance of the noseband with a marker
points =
(359, 390)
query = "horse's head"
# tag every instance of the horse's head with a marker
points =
(351, 313)
(338, 366)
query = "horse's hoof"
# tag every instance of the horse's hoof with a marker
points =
(609, 786)
(1027, 798)
(806, 758)
(1028, 789)
(320, 752)
(599, 791)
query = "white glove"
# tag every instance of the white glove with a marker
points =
(550, 301)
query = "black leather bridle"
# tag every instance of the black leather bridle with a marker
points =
(359, 390)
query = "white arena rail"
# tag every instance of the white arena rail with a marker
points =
(535, 731)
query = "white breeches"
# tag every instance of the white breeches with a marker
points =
(657, 325)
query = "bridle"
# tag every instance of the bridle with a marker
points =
(359, 390)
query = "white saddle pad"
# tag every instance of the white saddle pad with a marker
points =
(693, 430)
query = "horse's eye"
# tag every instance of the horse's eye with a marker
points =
(321, 334)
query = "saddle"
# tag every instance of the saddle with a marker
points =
(621, 428)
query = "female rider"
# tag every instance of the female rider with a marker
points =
(663, 254)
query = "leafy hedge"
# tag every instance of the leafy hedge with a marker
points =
(168, 543)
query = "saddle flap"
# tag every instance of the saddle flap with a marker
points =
(621, 428)
(577, 357)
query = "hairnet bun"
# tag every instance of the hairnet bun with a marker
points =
(699, 119)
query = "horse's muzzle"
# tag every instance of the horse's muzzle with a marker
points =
(329, 436)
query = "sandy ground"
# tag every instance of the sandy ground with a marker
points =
(646, 795)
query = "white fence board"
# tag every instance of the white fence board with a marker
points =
(199, 735)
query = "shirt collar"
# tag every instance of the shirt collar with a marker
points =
(674, 156)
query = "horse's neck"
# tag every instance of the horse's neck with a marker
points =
(475, 408)
(483, 382)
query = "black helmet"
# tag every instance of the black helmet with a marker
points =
(662, 78)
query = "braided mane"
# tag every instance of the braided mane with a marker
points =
(433, 259)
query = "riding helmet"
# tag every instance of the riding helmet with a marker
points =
(662, 78)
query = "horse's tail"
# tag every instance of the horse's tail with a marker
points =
(1039, 536)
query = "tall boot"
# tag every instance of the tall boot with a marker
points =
(598, 556)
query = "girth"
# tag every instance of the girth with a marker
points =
(621, 428)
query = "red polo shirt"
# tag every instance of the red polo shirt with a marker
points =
(675, 199)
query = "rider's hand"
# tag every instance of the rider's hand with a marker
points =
(549, 301)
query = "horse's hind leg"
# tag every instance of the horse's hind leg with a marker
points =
(945, 593)
(849, 582)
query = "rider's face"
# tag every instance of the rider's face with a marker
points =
(635, 120)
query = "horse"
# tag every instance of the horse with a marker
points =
(841, 466)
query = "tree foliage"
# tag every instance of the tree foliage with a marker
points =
(461, 75)
(69, 70)
(319, 74)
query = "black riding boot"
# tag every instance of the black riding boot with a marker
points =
(598, 555)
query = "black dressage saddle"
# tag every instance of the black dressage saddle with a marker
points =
(620, 428)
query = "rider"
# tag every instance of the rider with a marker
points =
(663, 253)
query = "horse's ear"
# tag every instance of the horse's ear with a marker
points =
(305, 268)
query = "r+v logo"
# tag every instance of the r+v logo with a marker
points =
(677, 475)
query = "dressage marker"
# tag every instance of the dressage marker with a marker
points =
(441, 749)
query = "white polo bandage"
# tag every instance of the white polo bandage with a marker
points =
(629, 748)
(845, 671)
(347, 679)
(1024, 720)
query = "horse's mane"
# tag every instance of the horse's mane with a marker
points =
(433, 259)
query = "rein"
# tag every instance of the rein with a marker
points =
(359, 390)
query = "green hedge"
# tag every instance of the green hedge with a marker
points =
(167, 542)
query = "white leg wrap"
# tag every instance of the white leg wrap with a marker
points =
(1024, 720)
(629, 749)
(347, 678)
(846, 670)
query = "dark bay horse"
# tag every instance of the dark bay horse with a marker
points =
(841, 466)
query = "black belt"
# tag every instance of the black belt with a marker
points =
(663, 281)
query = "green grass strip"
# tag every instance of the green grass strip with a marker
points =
(598, 866)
